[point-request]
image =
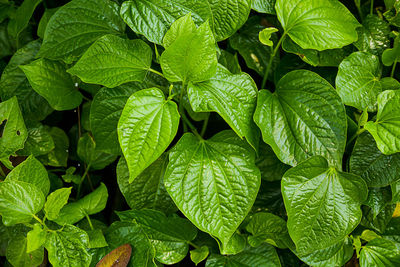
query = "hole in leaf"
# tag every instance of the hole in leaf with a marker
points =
(18, 132)
(2, 126)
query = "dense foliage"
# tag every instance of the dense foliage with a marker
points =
(213, 132)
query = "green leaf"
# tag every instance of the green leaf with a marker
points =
(44, 20)
(267, 227)
(19, 202)
(262, 256)
(230, 61)
(373, 36)
(246, 42)
(55, 202)
(21, 17)
(379, 252)
(322, 203)
(233, 97)
(190, 53)
(148, 190)
(96, 239)
(78, 24)
(265, 35)
(377, 222)
(18, 256)
(14, 83)
(112, 61)
(152, 18)
(147, 126)
(213, 182)
(393, 12)
(392, 55)
(264, 6)
(105, 112)
(169, 235)
(386, 128)
(228, 16)
(14, 131)
(271, 168)
(120, 233)
(94, 158)
(50, 80)
(304, 117)
(358, 81)
(35, 238)
(59, 155)
(39, 141)
(88, 205)
(199, 254)
(67, 247)
(375, 168)
(317, 25)
(235, 245)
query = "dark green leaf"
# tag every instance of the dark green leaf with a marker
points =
(18, 257)
(39, 141)
(378, 253)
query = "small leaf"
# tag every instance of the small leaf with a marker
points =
(118, 257)
(59, 155)
(17, 253)
(96, 239)
(265, 35)
(199, 254)
(55, 202)
(39, 141)
(35, 238)
(392, 55)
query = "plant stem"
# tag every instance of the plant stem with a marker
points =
(89, 221)
(205, 123)
(156, 72)
(393, 69)
(82, 179)
(372, 7)
(360, 131)
(38, 219)
(278, 45)
(2, 174)
(191, 126)
(79, 122)
(193, 245)
(358, 9)
(181, 109)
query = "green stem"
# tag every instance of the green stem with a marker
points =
(89, 221)
(181, 108)
(360, 131)
(156, 72)
(194, 245)
(2, 174)
(39, 220)
(358, 9)
(205, 123)
(278, 45)
(191, 126)
(372, 7)
(82, 179)
(393, 69)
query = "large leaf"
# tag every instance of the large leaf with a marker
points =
(233, 96)
(13, 131)
(322, 203)
(112, 61)
(374, 167)
(33, 172)
(378, 253)
(302, 118)
(262, 256)
(18, 256)
(228, 16)
(190, 53)
(148, 190)
(39, 141)
(14, 83)
(76, 25)
(213, 182)
(152, 18)
(19, 202)
(147, 126)
(315, 24)
(67, 247)
(170, 236)
(50, 80)
(358, 80)
(386, 128)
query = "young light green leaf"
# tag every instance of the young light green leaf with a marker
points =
(94, 158)
(39, 141)
(317, 25)
(358, 81)
(267, 227)
(190, 53)
(386, 128)
(232, 96)
(199, 254)
(170, 236)
(213, 182)
(379, 252)
(50, 80)
(148, 190)
(302, 118)
(152, 18)
(265, 35)
(14, 83)
(147, 126)
(33, 172)
(14, 132)
(35, 238)
(21, 18)
(19, 202)
(264, 6)
(375, 168)
(392, 55)
(17, 253)
(55, 202)
(326, 209)
(112, 61)
(78, 24)
(67, 247)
